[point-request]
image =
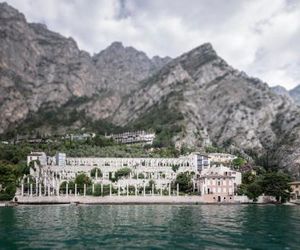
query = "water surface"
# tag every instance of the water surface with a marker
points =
(150, 227)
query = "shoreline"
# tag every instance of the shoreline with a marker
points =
(124, 200)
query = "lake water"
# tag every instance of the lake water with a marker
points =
(150, 227)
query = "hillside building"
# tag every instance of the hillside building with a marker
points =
(221, 158)
(133, 137)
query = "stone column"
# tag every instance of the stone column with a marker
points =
(144, 189)
(152, 189)
(49, 190)
(40, 189)
(96, 174)
(76, 189)
(67, 189)
(160, 190)
(110, 189)
(118, 189)
(102, 189)
(57, 189)
(177, 189)
(22, 189)
(84, 189)
(30, 189)
(93, 188)
(36, 186)
(169, 189)
(135, 189)
(45, 188)
(127, 189)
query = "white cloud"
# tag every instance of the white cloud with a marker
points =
(261, 37)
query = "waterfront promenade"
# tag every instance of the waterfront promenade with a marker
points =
(109, 199)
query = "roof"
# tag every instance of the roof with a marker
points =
(216, 176)
(36, 154)
(295, 183)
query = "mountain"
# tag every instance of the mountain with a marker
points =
(40, 68)
(295, 94)
(217, 104)
(48, 84)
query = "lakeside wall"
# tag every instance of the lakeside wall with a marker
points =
(148, 199)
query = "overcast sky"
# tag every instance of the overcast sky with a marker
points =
(260, 37)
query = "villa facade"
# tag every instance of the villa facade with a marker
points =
(218, 184)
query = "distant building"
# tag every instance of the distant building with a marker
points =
(37, 156)
(60, 159)
(79, 137)
(221, 157)
(202, 161)
(295, 194)
(133, 137)
(35, 141)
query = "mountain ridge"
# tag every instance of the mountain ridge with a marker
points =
(196, 99)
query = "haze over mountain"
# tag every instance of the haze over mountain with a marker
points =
(48, 85)
(293, 94)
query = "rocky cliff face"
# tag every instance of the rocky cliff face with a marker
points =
(198, 97)
(219, 104)
(39, 68)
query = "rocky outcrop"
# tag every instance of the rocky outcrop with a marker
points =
(43, 68)
(220, 105)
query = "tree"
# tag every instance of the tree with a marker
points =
(175, 167)
(149, 186)
(71, 187)
(82, 179)
(101, 141)
(8, 181)
(93, 172)
(141, 176)
(276, 184)
(185, 181)
(248, 177)
(123, 172)
(238, 162)
(253, 191)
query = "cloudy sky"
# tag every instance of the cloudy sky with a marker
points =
(260, 37)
